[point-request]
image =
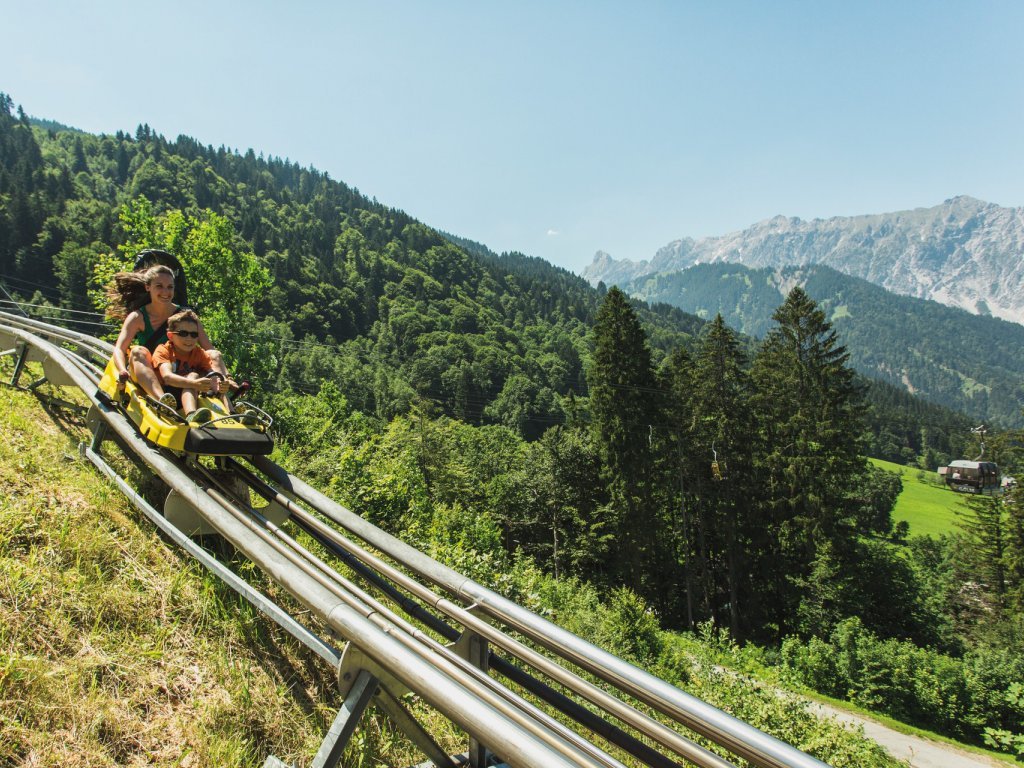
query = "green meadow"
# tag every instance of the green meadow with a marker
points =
(928, 507)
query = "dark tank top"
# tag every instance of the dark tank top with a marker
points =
(150, 337)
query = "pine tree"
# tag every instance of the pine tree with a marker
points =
(724, 438)
(78, 162)
(1014, 557)
(677, 380)
(810, 415)
(984, 554)
(625, 401)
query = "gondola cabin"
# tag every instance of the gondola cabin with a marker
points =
(971, 476)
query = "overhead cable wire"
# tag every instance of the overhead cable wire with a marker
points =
(52, 307)
(43, 316)
(46, 290)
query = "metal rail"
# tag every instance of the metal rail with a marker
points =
(396, 653)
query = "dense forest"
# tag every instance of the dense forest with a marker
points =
(358, 292)
(971, 363)
(491, 407)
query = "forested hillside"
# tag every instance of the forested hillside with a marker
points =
(119, 650)
(970, 363)
(499, 410)
(359, 293)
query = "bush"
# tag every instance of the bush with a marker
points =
(813, 664)
(978, 699)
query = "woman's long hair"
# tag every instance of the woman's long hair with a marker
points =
(130, 290)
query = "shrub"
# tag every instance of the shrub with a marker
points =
(978, 699)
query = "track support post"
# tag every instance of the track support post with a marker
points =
(333, 746)
(363, 683)
(95, 423)
(474, 649)
(21, 351)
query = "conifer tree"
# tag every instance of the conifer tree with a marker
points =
(809, 410)
(723, 437)
(625, 401)
(677, 380)
(1014, 558)
(984, 554)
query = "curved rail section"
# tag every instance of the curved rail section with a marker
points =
(410, 624)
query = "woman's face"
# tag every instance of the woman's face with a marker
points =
(161, 288)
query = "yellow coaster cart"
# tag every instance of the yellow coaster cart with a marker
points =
(224, 435)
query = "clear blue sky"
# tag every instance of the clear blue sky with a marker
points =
(560, 128)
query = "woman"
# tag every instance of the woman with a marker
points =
(144, 301)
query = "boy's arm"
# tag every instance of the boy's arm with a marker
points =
(172, 379)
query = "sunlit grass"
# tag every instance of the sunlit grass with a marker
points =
(116, 649)
(929, 508)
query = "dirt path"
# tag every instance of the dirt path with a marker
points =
(918, 752)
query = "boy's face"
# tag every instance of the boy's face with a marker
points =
(184, 337)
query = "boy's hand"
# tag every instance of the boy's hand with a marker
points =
(212, 380)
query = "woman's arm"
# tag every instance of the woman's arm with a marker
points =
(131, 326)
(216, 359)
(204, 340)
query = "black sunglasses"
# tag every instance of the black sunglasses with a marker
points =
(193, 334)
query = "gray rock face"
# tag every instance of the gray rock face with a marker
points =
(964, 253)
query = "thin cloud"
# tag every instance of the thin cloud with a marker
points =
(553, 233)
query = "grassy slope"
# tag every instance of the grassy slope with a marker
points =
(928, 508)
(116, 650)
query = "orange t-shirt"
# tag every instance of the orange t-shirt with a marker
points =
(197, 360)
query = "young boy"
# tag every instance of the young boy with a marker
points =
(183, 367)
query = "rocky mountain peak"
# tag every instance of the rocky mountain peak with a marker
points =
(965, 253)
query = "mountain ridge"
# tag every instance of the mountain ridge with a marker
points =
(972, 363)
(965, 253)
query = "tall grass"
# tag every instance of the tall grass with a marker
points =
(115, 649)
